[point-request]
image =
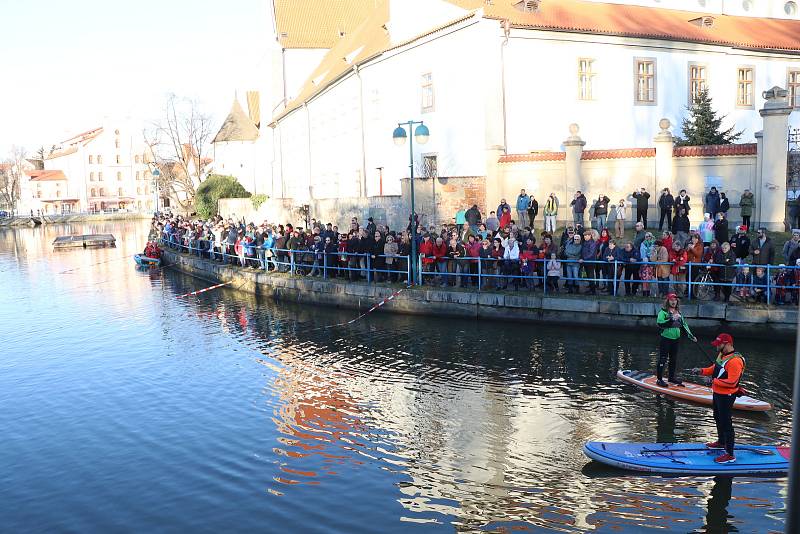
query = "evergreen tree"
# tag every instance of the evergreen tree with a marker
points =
(702, 127)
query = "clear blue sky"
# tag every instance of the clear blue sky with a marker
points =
(66, 64)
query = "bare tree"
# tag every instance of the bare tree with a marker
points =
(11, 171)
(179, 144)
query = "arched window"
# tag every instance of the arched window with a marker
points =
(119, 175)
(99, 160)
(790, 8)
(91, 159)
(100, 176)
(94, 192)
(58, 194)
(119, 159)
(137, 174)
(102, 192)
(116, 144)
(91, 177)
(138, 190)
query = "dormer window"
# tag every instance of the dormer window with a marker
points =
(528, 6)
(704, 22)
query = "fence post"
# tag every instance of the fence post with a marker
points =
(408, 268)
(689, 279)
(291, 263)
(769, 286)
(479, 274)
(369, 268)
(544, 277)
(616, 275)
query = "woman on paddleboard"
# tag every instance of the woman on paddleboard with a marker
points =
(672, 325)
(726, 374)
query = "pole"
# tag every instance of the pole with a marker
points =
(415, 274)
(792, 509)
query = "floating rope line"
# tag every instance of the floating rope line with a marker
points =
(375, 307)
(98, 263)
(202, 290)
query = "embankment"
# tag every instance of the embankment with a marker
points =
(596, 312)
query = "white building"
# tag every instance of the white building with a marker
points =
(103, 169)
(504, 76)
(236, 147)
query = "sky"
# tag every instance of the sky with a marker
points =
(68, 64)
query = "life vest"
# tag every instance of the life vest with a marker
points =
(721, 373)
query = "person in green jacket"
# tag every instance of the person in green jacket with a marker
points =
(673, 326)
(746, 204)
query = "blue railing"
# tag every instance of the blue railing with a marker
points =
(616, 278)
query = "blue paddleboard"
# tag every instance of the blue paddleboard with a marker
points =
(689, 458)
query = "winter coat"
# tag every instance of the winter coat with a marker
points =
(620, 213)
(522, 202)
(473, 216)
(505, 219)
(573, 250)
(680, 223)
(678, 259)
(492, 224)
(500, 208)
(512, 252)
(426, 249)
(533, 208)
(638, 239)
(728, 260)
(724, 205)
(766, 252)
(746, 204)
(788, 248)
(642, 200)
(695, 253)
(666, 202)
(579, 204)
(608, 252)
(589, 250)
(706, 231)
(440, 251)
(601, 206)
(551, 206)
(721, 232)
(682, 202)
(712, 202)
(742, 248)
(661, 255)
(646, 250)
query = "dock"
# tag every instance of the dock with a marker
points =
(84, 241)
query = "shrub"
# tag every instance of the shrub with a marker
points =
(214, 188)
(257, 200)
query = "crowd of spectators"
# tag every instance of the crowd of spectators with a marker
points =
(503, 252)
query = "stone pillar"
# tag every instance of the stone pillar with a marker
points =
(573, 147)
(771, 196)
(665, 171)
(756, 186)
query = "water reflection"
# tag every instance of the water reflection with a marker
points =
(394, 420)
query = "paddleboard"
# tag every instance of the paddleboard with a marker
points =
(689, 458)
(689, 391)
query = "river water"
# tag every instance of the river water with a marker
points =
(124, 407)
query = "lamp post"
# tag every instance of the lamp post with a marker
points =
(422, 134)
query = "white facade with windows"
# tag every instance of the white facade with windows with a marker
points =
(485, 86)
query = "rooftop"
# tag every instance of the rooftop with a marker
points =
(46, 176)
(237, 126)
(318, 23)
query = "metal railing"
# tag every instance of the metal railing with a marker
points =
(778, 285)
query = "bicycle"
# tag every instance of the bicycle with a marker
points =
(703, 285)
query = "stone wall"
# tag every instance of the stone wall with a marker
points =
(438, 199)
(384, 210)
(605, 313)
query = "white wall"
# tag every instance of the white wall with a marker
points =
(542, 88)
(753, 8)
(299, 63)
(239, 159)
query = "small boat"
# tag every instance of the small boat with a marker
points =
(689, 458)
(689, 391)
(145, 261)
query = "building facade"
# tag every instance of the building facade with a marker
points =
(104, 169)
(504, 77)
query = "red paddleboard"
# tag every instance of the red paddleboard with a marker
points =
(689, 391)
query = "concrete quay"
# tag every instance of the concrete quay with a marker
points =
(774, 323)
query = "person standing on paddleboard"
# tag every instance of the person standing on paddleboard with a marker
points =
(726, 373)
(672, 325)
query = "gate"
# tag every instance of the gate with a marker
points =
(793, 178)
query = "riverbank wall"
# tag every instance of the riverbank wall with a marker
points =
(774, 323)
(72, 218)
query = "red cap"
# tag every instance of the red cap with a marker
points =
(671, 296)
(721, 340)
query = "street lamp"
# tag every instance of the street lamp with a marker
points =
(421, 134)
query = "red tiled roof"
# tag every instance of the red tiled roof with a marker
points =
(533, 156)
(620, 153)
(83, 136)
(746, 149)
(46, 176)
(647, 22)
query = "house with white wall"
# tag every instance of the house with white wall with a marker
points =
(235, 148)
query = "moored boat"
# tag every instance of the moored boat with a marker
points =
(146, 261)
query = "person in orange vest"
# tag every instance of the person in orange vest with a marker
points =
(725, 376)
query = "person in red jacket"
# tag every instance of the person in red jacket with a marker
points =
(505, 218)
(440, 251)
(726, 374)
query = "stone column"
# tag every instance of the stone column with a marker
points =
(573, 147)
(665, 173)
(771, 195)
(756, 186)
